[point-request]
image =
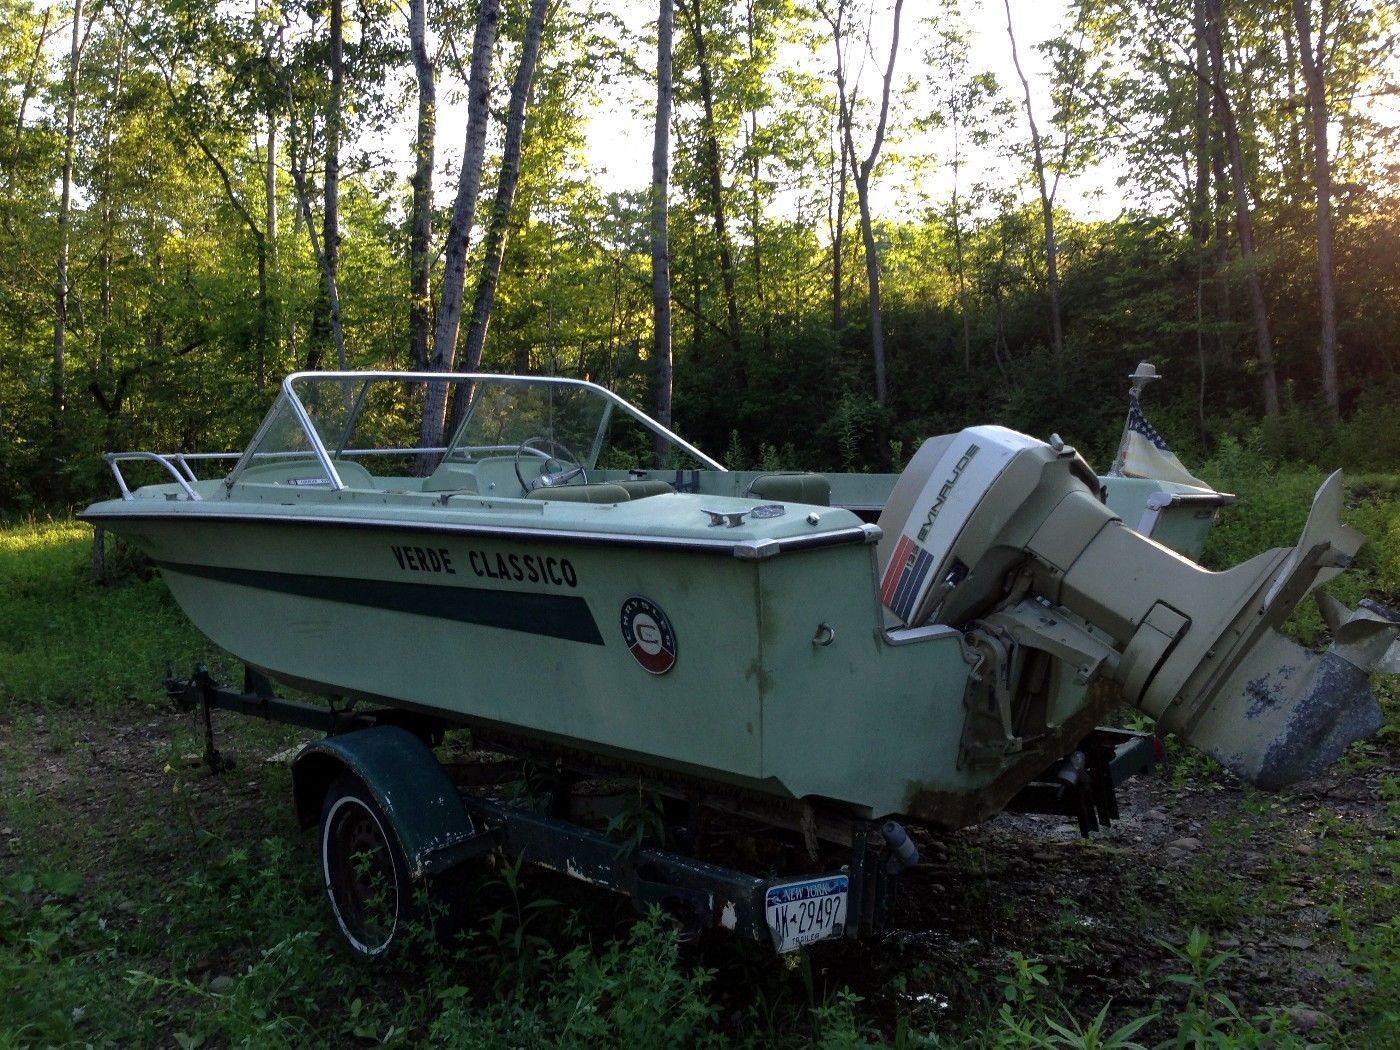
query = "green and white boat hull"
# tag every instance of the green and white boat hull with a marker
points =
(694, 625)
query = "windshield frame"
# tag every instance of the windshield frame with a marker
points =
(327, 459)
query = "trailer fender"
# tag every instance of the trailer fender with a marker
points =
(404, 778)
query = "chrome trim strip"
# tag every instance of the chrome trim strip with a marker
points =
(749, 550)
(911, 635)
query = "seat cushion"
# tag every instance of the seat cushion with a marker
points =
(640, 488)
(603, 492)
(451, 477)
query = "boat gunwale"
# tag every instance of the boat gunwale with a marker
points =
(746, 549)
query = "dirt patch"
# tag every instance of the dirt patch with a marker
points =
(1272, 879)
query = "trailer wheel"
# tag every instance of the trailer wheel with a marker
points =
(365, 873)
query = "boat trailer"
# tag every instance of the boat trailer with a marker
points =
(375, 787)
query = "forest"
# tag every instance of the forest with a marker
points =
(803, 233)
(852, 237)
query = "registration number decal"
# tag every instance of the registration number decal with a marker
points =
(805, 912)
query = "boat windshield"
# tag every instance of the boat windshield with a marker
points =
(504, 415)
(327, 426)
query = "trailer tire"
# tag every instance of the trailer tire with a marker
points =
(365, 874)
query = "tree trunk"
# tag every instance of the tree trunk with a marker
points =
(57, 391)
(862, 174)
(662, 378)
(1222, 207)
(26, 93)
(1201, 199)
(958, 252)
(269, 333)
(756, 204)
(1052, 270)
(298, 165)
(838, 231)
(1263, 342)
(105, 260)
(420, 263)
(872, 276)
(1295, 164)
(714, 180)
(454, 275)
(499, 226)
(330, 219)
(1314, 64)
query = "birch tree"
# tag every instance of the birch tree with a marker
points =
(57, 386)
(498, 225)
(660, 249)
(420, 262)
(693, 17)
(1047, 204)
(328, 326)
(459, 231)
(861, 172)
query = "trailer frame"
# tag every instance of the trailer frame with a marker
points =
(439, 827)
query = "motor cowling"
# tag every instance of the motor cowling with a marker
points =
(1007, 538)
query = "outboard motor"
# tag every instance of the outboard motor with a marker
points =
(1007, 539)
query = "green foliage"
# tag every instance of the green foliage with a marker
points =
(1274, 500)
(640, 820)
(628, 993)
(68, 641)
(853, 427)
(1375, 959)
(735, 458)
(1210, 1017)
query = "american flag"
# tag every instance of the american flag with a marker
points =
(1144, 453)
(1137, 422)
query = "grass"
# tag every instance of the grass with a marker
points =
(67, 642)
(144, 902)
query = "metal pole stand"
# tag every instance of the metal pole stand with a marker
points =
(204, 686)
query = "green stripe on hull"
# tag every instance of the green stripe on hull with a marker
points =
(551, 615)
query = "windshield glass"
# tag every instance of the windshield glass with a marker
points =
(368, 424)
(503, 415)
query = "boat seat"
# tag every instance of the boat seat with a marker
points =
(451, 477)
(641, 488)
(601, 492)
(354, 474)
(307, 472)
(791, 487)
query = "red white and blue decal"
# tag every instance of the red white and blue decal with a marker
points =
(648, 633)
(904, 577)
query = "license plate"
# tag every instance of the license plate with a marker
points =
(804, 912)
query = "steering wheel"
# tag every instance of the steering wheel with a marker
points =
(560, 465)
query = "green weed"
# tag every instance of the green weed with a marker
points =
(69, 642)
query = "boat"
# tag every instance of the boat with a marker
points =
(570, 575)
